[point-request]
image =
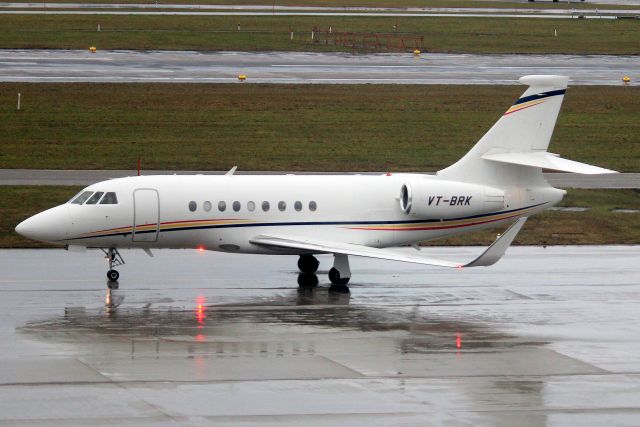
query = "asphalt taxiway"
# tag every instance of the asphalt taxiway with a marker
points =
(87, 177)
(545, 337)
(306, 67)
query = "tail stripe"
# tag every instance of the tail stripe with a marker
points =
(540, 96)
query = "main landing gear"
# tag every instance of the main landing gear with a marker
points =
(115, 259)
(339, 274)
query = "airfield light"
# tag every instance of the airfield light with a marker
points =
(458, 341)
(200, 311)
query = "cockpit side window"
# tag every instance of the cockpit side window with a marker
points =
(109, 199)
(82, 197)
(94, 199)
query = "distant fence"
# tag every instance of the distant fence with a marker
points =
(368, 41)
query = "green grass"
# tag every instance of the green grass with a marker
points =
(597, 226)
(267, 33)
(20, 202)
(292, 127)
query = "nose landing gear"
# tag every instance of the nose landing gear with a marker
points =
(115, 259)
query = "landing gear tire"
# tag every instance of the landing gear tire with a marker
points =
(113, 276)
(308, 264)
(334, 277)
(339, 289)
(307, 280)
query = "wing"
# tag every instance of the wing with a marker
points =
(488, 257)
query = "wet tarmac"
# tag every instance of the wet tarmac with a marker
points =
(173, 12)
(305, 67)
(280, 9)
(545, 337)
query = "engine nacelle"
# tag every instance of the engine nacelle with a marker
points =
(436, 199)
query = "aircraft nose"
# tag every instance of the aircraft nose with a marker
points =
(49, 226)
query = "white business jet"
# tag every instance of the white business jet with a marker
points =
(498, 182)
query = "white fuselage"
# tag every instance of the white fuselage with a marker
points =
(184, 211)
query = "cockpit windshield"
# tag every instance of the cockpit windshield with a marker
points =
(109, 199)
(92, 198)
(81, 198)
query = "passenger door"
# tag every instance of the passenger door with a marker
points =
(146, 215)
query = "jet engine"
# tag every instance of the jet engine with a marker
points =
(436, 199)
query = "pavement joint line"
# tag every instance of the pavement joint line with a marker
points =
(360, 378)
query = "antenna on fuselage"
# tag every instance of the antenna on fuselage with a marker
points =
(138, 166)
(232, 171)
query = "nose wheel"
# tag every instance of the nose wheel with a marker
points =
(115, 259)
(113, 275)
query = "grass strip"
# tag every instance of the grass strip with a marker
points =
(269, 33)
(292, 127)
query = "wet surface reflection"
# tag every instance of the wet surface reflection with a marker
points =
(414, 330)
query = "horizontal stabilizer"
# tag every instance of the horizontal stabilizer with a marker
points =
(488, 257)
(542, 159)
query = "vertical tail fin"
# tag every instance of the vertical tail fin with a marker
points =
(525, 127)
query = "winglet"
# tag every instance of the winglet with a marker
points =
(499, 247)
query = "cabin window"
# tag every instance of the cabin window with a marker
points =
(206, 206)
(313, 206)
(222, 206)
(94, 199)
(109, 199)
(265, 206)
(282, 206)
(236, 206)
(193, 206)
(297, 206)
(251, 206)
(80, 199)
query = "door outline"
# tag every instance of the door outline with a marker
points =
(133, 229)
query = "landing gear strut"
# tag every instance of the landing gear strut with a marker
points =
(308, 264)
(115, 259)
(340, 274)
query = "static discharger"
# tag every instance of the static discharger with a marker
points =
(242, 77)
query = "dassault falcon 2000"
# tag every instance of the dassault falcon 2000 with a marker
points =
(497, 182)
